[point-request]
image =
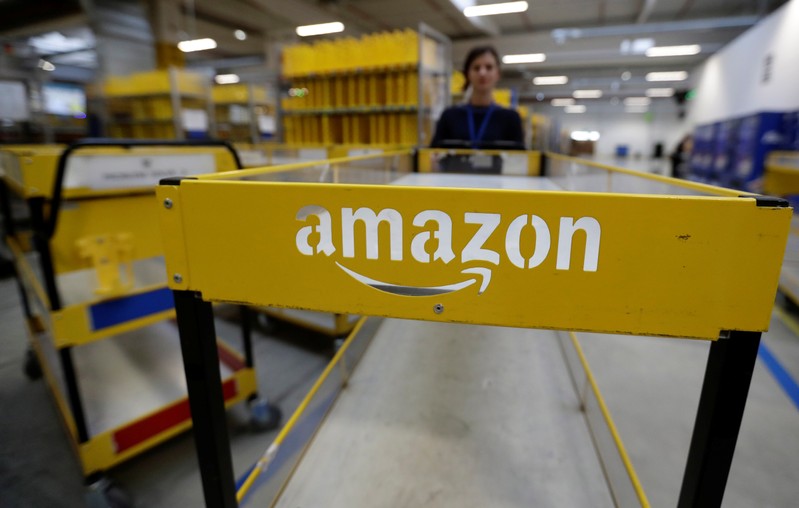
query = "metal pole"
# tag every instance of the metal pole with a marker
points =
(201, 364)
(721, 407)
(177, 106)
(255, 129)
(246, 334)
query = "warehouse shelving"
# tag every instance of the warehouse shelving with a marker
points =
(98, 314)
(384, 88)
(161, 104)
(239, 110)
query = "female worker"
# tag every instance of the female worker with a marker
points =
(479, 122)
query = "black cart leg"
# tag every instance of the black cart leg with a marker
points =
(718, 420)
(246, 334)
(201, 363)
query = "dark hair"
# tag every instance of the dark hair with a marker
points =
(473, 55)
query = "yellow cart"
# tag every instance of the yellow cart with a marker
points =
(781, 178)
(588, 248)
(99, 315)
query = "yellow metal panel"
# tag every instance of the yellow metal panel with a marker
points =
(533, 163)
(99, 452)
(643, 265)
(781, 180)
(34, 169)
(173, 236)
(135, 215)
(71, 326)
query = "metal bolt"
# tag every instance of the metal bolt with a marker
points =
(167, 203)
(438, 308)
(178, 278)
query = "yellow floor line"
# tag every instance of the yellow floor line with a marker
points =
(628, 465)
(787, 319)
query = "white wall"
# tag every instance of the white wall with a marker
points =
(616, 127)
(730, 83)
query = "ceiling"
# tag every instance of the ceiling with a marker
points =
(591, 41)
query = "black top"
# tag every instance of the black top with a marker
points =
(503, 125)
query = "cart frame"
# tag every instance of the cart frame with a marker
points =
(732, 354)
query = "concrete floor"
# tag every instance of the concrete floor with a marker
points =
(651, 386)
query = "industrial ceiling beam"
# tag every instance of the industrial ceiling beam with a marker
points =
(646, 11)
(564, 34)
(306, 13)
(481, 23)
(239, 14)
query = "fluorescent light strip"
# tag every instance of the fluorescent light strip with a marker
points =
(585, 135)
(550, 80)
(196, 45)
(587, 94)
(492, 9)
(226, 79)
(660, 92)
(687, 50)
(667, 76)
(577, 108)
(320, 29)
(637, 101)
(526, 58)
(562, 102)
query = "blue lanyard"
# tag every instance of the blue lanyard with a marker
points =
(483, 125)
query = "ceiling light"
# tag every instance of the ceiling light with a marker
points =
(637, 101)
(56, 42)
(577, 108)
(196, 45)
(320, 29)
(636, 46)
(240, 35)
(492, 9)
(660, 92)
(667, 76)
(526, 58)
(46, 66)
(539, 96)
(585, 135)
(587, 94)
(226, 79)
(550, 80)
(687, 50)
(626, 75)
(636, 109)
(562, 102)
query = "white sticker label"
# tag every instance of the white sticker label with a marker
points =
(103, 172)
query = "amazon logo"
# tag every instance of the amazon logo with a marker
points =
(434, 243)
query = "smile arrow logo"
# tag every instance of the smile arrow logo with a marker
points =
(482, 274)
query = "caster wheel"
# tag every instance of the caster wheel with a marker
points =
(104, 494)
(264, 416)
(32, 367)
